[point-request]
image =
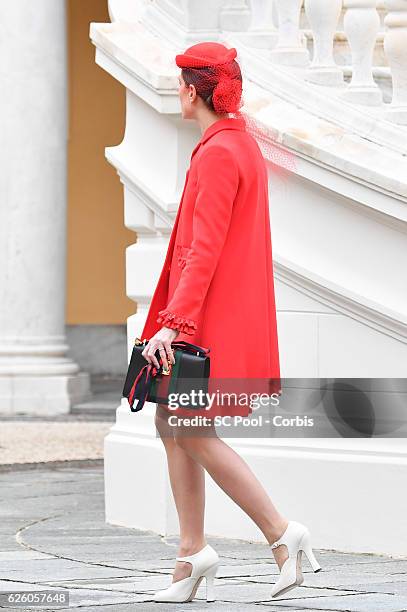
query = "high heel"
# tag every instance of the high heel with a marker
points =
(306, 547)
(204, 563)
(297, 539)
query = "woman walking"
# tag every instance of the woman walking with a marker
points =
(216, 289)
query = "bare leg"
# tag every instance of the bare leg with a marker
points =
(187, 479)
(237, 480)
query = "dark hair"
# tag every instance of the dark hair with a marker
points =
(220, 87)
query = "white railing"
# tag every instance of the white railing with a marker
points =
(371, 32)
(361, 23)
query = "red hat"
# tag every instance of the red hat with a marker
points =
(205, 54)
(226, 96)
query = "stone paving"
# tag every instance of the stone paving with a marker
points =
(22, 442)
(79, 435)
(53, 536)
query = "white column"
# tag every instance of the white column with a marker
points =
(289, 50)
(323, 18)
(36, 376)
(361, 24)
(395, 48)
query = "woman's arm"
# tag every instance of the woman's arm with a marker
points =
(218, 180)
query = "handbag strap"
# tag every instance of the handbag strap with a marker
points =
(193, 348)
(147, 372)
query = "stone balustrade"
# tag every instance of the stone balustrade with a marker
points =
(366, 28)
(361, 25)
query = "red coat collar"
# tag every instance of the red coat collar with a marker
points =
(230, 123)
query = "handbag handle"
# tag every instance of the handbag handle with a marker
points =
(181, 344)
(193, 348)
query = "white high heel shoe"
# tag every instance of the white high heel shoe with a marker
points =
(204, 563)
(297, 539)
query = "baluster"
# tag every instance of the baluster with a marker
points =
(261, 33)
(261, 14)
(361, 24)
(323, 18)
(234, 15)
(289, 49)
(395, 48)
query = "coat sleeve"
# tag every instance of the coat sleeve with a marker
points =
(217, 184)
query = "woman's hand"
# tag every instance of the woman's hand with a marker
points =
(161, 341)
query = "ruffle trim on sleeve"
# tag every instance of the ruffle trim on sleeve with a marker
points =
(174, 321)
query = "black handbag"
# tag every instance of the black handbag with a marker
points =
(188, 375)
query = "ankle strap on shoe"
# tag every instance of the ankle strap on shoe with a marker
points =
(194, 556)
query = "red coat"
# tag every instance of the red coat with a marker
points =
(216, 285)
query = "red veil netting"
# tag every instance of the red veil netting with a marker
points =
(222, 75)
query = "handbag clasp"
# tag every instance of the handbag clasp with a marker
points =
(166, 372)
